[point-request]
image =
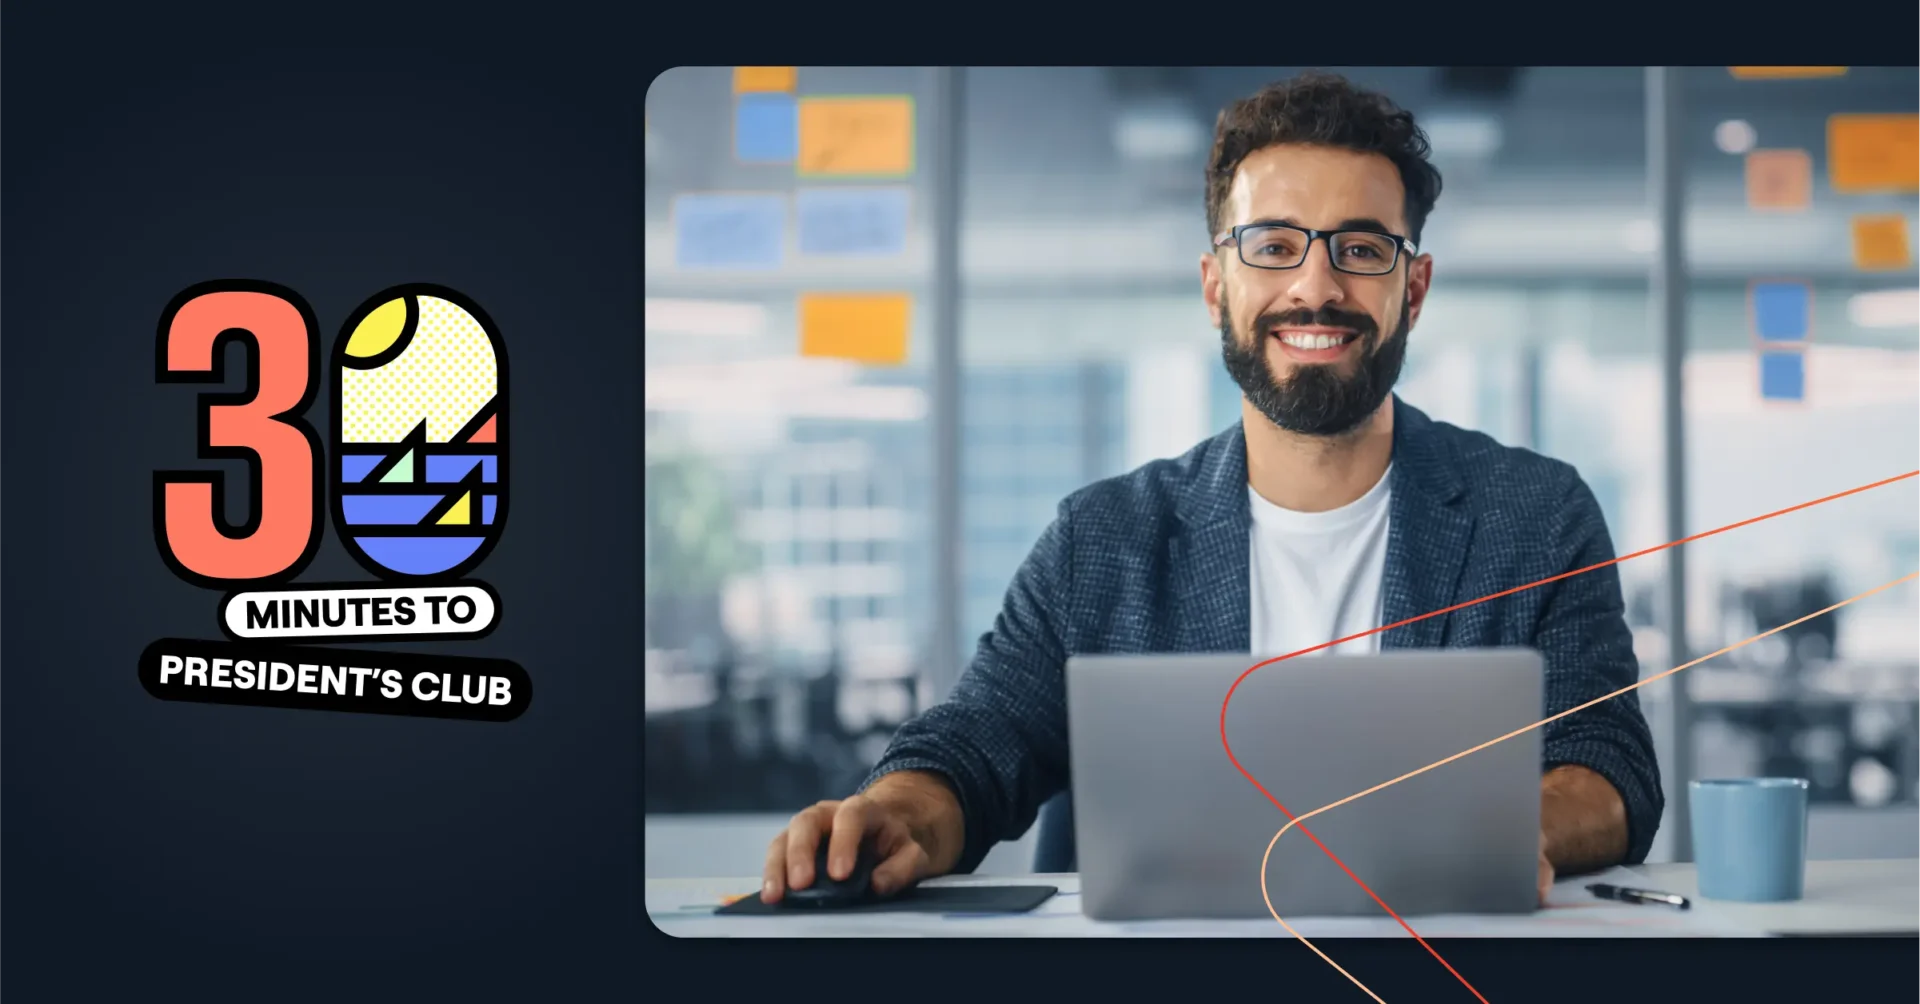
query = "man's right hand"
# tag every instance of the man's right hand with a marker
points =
(909, 819)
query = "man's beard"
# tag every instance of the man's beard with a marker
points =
(1316, 400)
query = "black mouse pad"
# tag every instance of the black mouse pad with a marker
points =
(919, 899)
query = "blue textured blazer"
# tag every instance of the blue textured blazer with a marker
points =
(1157, 561)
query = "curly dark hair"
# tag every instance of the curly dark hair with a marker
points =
(1322, 109)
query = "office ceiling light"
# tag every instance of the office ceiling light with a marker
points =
(852, 404)
(1463, 135)
(780, 387)
(717, 318)
(1734, 136)
(1886, 308)
(1154, 132)
(1640, 236)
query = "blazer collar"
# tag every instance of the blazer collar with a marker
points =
(1420, 461)
(1208, 558)
(1218, 489)
(1427, 541)
(1430, 532)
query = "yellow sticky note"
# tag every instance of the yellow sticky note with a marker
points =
(1785, 72)
(1779, 179)
(1873, 153)
(758, 79)
(1880, 241)
(863, 136)
(864, 327)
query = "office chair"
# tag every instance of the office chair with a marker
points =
(1054, 848)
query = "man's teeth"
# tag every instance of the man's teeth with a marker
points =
(1309, 341)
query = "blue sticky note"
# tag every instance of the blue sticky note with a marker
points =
(729, 231)
(852, 221)
(1783, 376)
(766, 129)
(1781, 311)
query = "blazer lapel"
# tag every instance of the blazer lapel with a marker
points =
(1428, 536)
(1207, 557)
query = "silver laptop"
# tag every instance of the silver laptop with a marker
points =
(1165, 827)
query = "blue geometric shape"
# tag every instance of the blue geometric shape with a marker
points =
(1783, 376)
(729, 231)
(1781, 311)
(419, 555)
(486, 507)
(766, 129)
(402, 510)
(353, 467)
(852, 221)
(446, 469)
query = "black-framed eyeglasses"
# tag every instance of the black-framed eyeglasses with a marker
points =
(1278, 246)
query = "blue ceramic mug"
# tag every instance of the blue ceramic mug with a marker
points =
(1750, 838)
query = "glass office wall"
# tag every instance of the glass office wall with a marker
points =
(1802, 381)
(789, 582)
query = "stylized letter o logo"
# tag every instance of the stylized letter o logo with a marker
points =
(419, 433)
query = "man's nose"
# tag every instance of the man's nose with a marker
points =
(1315, 283)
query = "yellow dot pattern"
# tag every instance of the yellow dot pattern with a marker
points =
(446, 374)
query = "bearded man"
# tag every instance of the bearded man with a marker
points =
(1330, 509)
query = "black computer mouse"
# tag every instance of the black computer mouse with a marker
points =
(826, 891)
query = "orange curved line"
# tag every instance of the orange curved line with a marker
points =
(1264, 858)
(1335, 858)
(1435, 613)
(1303, 940)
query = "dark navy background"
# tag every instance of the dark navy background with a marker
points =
(146, 839)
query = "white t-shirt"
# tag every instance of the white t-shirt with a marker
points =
(1316, 576)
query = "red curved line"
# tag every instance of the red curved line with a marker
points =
(1460, 606)
(1323, 847)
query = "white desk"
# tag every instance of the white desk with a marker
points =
(1842, 897)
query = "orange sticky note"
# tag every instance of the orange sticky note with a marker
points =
(1779, 179)
(864, 327)
(758, 79)
(1873, 153)
(864, 136)
(1785, 72)
(1880, 241)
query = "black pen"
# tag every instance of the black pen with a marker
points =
(1626, 895)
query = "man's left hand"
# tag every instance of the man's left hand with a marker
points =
(1583, 824)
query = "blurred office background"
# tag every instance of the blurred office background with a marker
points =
(792, 561)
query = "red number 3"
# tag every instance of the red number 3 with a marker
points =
(260, 424)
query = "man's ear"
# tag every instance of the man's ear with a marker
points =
(1211, 286)
(1419, 277)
